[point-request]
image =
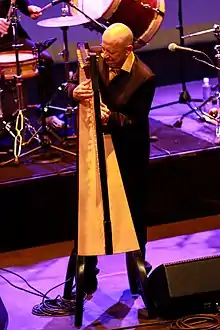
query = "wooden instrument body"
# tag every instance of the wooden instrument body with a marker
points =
(91, 235)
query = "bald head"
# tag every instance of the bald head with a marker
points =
(118, 33)
(117, 44)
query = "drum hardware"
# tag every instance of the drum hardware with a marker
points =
(68, 74)
(214, 114)
(45, 132)
(84, 18)
(22, 124)
(101, 27)
(185, 97)
(216, 32)
(157, 10)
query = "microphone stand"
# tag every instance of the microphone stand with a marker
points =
(185, 97)
(215, 98)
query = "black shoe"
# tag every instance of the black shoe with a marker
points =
(148, 267)
(91, 281)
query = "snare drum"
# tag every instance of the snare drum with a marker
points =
(27, 61)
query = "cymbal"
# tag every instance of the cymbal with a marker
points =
(63, 21)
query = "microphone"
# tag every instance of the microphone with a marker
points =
(44, 45)
(174, 47)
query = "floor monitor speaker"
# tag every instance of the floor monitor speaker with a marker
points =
(185, 287)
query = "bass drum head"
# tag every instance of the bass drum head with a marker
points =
(95, 9)
(144, 18)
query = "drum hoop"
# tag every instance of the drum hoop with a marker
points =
(152, 29)
(20, 51)
(111, 9)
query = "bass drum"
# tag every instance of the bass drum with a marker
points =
(143, 17)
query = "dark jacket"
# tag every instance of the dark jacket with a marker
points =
(129, 97)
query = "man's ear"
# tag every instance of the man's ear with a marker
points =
(130, 48)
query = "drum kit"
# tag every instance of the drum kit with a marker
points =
(143, 17)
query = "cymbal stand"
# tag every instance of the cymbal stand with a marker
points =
(68, 74)
(21, 121)
(65, 51)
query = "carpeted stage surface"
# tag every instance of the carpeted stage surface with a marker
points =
(38, 200)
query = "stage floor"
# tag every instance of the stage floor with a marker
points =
(112, 306)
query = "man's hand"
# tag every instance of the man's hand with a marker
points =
(4, 25)
(105, 113)
(35, 11)
(83, 91)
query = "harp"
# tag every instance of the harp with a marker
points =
(104, 221)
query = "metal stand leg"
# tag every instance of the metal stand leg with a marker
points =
(184, 97)
(80, 281)
(76, 270)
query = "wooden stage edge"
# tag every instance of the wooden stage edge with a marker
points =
(58, 250)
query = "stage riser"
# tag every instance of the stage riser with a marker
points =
(41, 211)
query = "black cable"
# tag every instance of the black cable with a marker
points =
(48, 307)
(18, 287)
(23, 279)
(209, 58)
(56, 307)
(198, 321)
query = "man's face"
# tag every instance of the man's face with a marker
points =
(114, 53)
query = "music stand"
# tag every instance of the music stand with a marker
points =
(185, 97)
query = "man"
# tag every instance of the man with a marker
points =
(127, 88)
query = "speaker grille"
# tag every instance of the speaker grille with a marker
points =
(193, 276)
(185, 287)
